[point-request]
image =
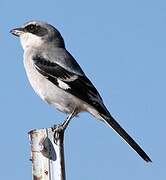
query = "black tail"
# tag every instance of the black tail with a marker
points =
(112, 122)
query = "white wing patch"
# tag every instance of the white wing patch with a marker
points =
(63, 85)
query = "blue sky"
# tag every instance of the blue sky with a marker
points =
(121, 46)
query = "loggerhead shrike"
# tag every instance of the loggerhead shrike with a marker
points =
(59, 80)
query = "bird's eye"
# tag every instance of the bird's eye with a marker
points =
(32, 28)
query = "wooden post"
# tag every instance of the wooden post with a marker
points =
(47, 153)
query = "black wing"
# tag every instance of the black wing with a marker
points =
(77, 85)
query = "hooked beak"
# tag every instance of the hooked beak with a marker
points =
(17, 31)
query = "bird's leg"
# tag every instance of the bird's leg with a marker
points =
(64, 125)
(68, 119)
(60, 129)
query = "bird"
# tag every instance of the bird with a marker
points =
(58, 79)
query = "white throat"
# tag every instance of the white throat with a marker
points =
(30, 40)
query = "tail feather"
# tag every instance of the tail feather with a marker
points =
(114, 124)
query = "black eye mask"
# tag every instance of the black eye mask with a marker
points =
(36, 29)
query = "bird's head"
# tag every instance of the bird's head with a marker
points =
(36, 33)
